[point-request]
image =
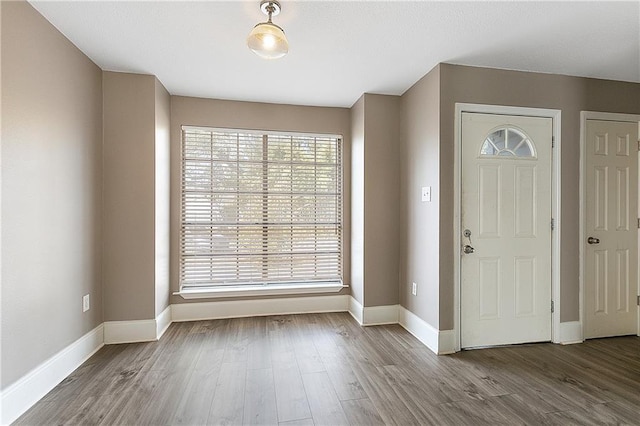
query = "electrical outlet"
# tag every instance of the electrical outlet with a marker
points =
(426, 193)
(414, 289)
(85, 303)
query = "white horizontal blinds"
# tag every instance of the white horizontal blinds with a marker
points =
(260, 208)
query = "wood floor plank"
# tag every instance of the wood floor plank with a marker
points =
(141, 395)
(259, 353)
(291, 398)
(610, 379)
(572, 417)
(197, 398)
(214, 330)
(476, 412)
(227, 407)
(344, 381)
(209, 359)
(555, 377)
(323, 401)
(627, 411)
(303, 422)
(423, 391)
(40, 413)
(307, 356)
(525, 381)
(361, 412)
(279, 338)
(520, 408)
(120, 373)
(390, 405)
(342, 377)
(260, 398)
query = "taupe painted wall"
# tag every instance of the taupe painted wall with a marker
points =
(136, 196)
(162, 190)
(500, 87)
(51, 191)
(129, 250)
(375, 199)
(381, 199)
(420, 166)
(251, 115)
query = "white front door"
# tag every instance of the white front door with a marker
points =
(611, 246)
(505, 293)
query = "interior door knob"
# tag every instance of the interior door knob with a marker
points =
(467, 249)
(593, 240)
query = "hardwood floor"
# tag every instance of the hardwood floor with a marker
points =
(324, 369)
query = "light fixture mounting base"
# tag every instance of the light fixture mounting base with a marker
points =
(273, 4)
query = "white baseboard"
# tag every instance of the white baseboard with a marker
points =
(570, 333)
(163, 321)
(21, 395)
(258, 307)
(446, 342)
(373, 315)
(356, 310)
(379, 315)
(116, 332)
(421, 329)
(440, 342)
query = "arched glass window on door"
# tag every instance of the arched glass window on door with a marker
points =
(508, 142)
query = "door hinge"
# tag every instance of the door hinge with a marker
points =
(553, 142)
(552, 307)
(639, 223)
(553, 224)
(638, 301)
(638, 144)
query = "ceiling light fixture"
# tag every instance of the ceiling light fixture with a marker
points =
(266, 39)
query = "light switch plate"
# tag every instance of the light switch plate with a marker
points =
(85, 303)
(426, 193)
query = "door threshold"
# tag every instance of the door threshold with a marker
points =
(506, 345)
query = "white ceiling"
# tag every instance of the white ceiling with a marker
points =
(341, 49)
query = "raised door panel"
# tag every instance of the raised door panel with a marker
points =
(622, 281)
(489, 197)
(525, 201)
(601, 278)
(601, 198)
(525, 286)
(622, 199)
(489, 288)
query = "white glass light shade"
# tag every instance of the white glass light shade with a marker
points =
(268, 41)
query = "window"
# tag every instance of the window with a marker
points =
(260, 208)
(507, 142)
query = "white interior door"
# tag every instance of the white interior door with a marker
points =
(611, 249)
(506, 220)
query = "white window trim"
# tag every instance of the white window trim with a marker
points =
(258, 290)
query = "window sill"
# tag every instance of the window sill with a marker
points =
(251, 291)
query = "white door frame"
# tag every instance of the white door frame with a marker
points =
(604, 116)
(555, 115)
